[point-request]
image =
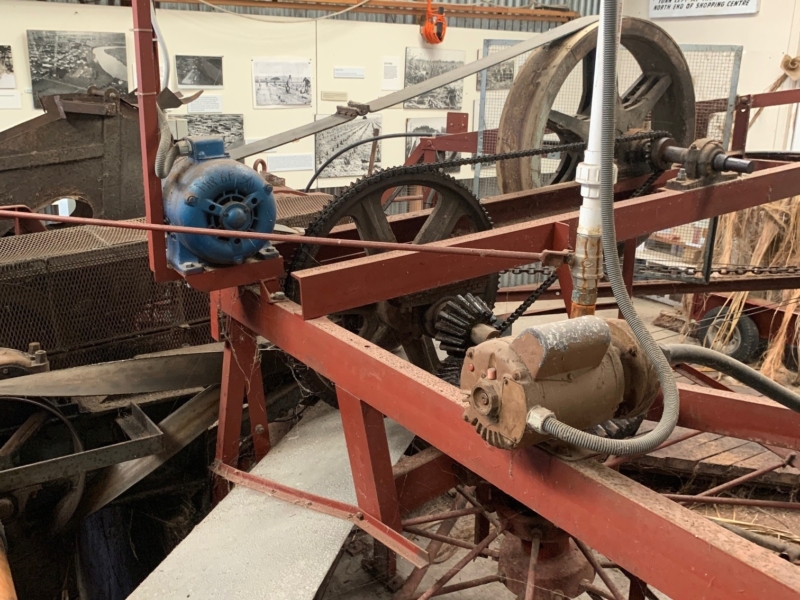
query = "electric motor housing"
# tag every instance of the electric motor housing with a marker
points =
(207, 189)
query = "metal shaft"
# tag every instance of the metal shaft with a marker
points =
(467, 558)
(276, 237)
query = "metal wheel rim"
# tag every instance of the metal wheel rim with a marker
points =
(731, 346)
(523, 121)
(362, 202)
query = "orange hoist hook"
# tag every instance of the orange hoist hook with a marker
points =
(435, 25)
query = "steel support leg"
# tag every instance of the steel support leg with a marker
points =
(371, 464)
(241, 377)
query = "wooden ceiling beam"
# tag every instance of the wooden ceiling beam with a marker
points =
(403, 8)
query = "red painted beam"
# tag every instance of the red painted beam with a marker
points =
(147, 94)
(737, 415)
(679, 552)
(363, 281)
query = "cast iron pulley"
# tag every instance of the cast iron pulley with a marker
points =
(407, 321)
(662, 98)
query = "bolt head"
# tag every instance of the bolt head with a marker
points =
(491, 373)
(260, 429)
(517, 375)
(191, 200)
(277, 297)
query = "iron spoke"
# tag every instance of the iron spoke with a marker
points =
(561, 123)
(442, 220)
(642, 97)
(371, 222)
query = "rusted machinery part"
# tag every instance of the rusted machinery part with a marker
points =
(664, 91)
(584, 370)
(15, 363)
(76, 149)
(68, 503)
(196, 367)
(406, 321)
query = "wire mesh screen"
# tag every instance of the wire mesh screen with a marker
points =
(87, 295)
(715, 73)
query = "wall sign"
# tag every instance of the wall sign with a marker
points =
(671, 9)
(349, 72)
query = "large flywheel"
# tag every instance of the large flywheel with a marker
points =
(407, 321)
(661, 98)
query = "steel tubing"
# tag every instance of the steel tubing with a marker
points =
(278, 237)
(434, 547)
(449, 540)
(601, 572)
(734, 501)
(745, 478)
(464, 585)
(465, 560)
(432, 518)
(530, 580)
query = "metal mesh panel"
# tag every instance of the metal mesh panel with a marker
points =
(715, 73)
(87, 295)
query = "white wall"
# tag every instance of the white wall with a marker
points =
(328, 43)
(766, 37)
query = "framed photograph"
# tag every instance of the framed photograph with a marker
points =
(64, 62)
(354, 162)
(430, 127)
(424, 63)
(7, 79)
(199, 72)
(230, 127)
(281, 82)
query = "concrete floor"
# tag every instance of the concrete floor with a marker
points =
(351, 582)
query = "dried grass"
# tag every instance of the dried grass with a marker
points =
(767, 235)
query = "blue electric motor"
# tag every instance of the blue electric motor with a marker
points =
(210, 190)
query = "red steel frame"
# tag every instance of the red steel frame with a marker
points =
(679, 552)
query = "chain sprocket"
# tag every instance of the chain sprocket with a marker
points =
(404, 321)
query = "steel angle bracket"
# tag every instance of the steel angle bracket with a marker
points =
(343, 115)
(390, 538)
(145, 438)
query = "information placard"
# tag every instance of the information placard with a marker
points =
(671, 9)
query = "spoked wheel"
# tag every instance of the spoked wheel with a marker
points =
(552, 97)
(403, 321)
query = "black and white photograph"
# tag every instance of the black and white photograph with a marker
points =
(498, 77)
(64, 62)
(430, 127)
(7, 79)
(354, 162)
(281, 82)
(230, 127)
(424, 63)
(199, 72)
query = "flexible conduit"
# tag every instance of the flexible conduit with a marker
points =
(697, 355)
(609, 28)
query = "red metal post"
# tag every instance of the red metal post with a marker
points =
(149, 87)
(736, 415)
(241, 377)
(371, 464)
(363, 281)
(637, 528)
(561, 241)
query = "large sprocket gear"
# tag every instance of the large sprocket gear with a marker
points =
(407, 321)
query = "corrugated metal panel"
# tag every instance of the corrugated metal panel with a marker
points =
(585, 7)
